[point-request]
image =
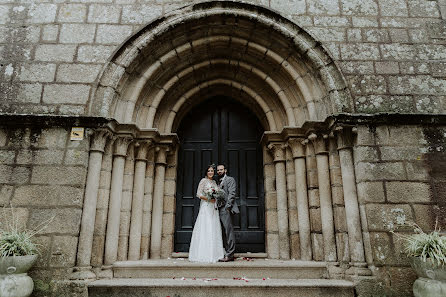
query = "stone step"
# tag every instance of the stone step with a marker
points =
(250, 268)
(220, 287)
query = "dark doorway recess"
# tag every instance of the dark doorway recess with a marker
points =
(221, 130)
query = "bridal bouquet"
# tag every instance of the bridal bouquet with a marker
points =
(214, 193)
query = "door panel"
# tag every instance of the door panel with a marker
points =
(221, 130)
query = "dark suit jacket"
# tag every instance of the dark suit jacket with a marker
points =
(229, 186)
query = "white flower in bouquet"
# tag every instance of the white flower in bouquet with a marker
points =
(214, 193)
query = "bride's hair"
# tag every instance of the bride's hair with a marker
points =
(207, 168)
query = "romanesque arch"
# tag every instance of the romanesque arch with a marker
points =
(269, 64)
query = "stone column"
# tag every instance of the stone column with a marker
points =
(98, 141)
(147, 206)
(158, 195)
(323, 174)
(114, 210)
(137, 201)
(303, 216)
(278, 150)
(345, 144)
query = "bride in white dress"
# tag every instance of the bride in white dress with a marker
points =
(206, 244)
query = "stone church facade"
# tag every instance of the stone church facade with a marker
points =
(349, 96)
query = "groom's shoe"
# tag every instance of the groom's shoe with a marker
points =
(226, 259)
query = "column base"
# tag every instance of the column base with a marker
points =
(83, 273)
(358, 271)
(105, 272)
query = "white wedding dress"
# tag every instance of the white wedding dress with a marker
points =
(206, 244)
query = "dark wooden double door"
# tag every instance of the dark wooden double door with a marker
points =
(221, 131)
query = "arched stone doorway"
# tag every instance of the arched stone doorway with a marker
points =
(284, 76)
(221, 130)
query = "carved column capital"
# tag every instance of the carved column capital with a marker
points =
(161, 154)
(319, 144)
(99, 139)
(142, 148)
(278, 150)
(344, 137)
(121, 145)
(297, 146)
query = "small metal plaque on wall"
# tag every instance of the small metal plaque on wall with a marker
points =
(77, 133)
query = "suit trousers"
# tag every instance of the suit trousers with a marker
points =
(227, 231)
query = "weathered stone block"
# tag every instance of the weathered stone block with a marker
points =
(417, 170)
(58, 175)
(52, 138)
(44, 244)
(271, 221)
(55, 52)
(313, 198)
(315, 220)
(401, 153)
(48, 157)
(169, 187)
(379, 171)
(63, 251)
(323, 7)
(77, 73)
(72, 13)
(3, 137)
(420, 8)
(365, 153)
(42, 13)
(339, 219)
(20, 175)
(77, 33)
(393, 7)
(94, 53)
(37, 195)
(398, 51)
(289, 7)
(365, 22)
(387, 67)
(58, 93)
(29, 93)
(359, 7)
(5, 194)
(140, 14)
(4, 14)
(418, 35)
(426, 216)
(402, 279)
(381, 247)
(331, 21)
(271, 200)
(37, 72)
(317, 243)
(376, 35)
(384, 217)
(399, 35)
(50, 32)
(100, 13)
(328, 34)
(371, 192)
(337, 195)
(15, 214)
(76, 157)
(408, 192)
(7, 157)
(113, 34)
(360, 52)
(354, 35)
(60, 220)
(342, 247)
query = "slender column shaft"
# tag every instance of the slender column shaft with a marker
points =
(350, 198)
(147, 206)
(137, 203)
(114, 210)
(91, 193)
(302, 198)
(158, 195)
(323, 174)
(282, 204)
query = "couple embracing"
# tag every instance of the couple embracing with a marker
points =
(213, 235)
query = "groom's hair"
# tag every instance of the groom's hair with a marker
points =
(222, 164)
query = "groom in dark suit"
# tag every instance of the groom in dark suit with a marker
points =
(227, 209)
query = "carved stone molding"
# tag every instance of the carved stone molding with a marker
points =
(278, 150)
(161, 154)
(142, 148)
(344, 137)
(121, 145)
(297, 147)
(99, 139)
(319, 144)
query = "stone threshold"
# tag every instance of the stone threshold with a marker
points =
(236, 255)
(213, 282)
